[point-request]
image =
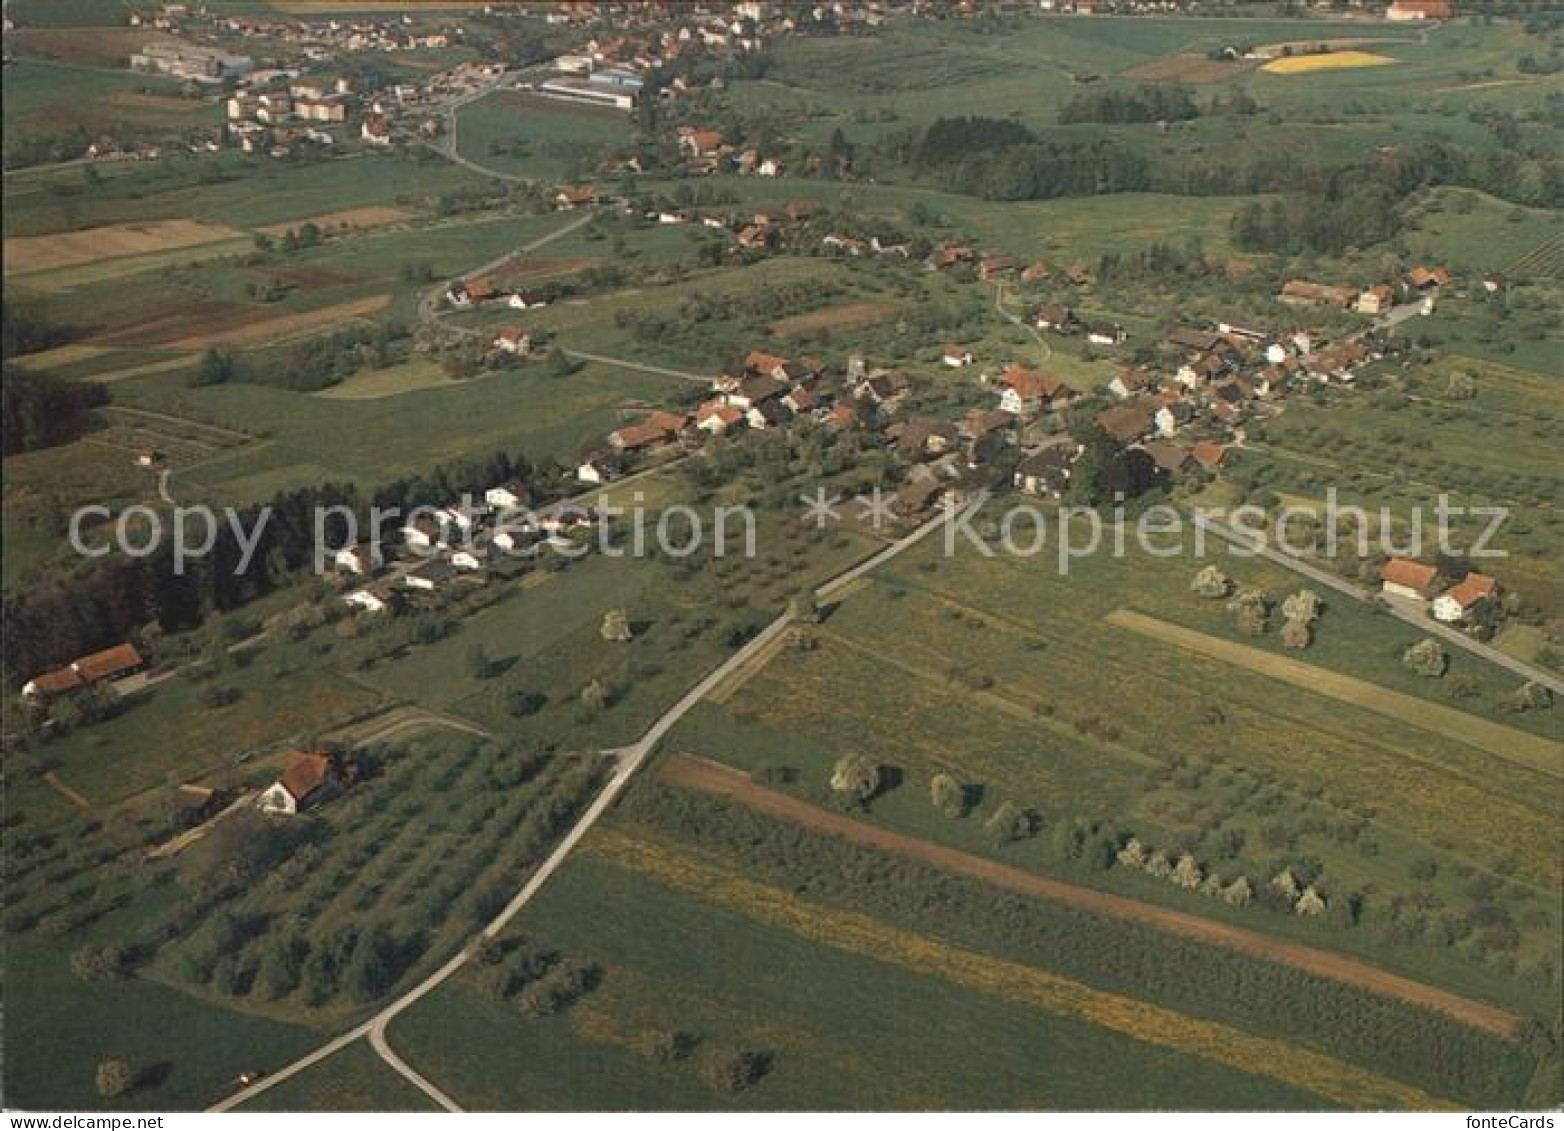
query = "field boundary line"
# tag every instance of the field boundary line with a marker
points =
(1531, 751)
(688, 772)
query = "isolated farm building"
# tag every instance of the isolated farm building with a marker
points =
(525, 300)
(480, 290)
(508, 495)
(579, 196)
(1026, 393)
(1046, 472)
(1405, 578)
(1405, 10)
(148, 457)
(956, 357)
(1457, 602)
(514, 340)
(308, 778)
(952, 255)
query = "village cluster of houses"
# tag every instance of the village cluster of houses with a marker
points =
(317, 40)
(1416, 581)
(459, 542)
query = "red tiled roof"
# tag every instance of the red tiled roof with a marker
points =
(306, 772)
(108, 663)
(1413, 575)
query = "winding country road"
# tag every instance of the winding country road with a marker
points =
(630, 759)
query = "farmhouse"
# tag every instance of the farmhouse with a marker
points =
(1425, 279)
(1209, 454)
(1052, 316)
(755, 391)
(1405, 10)
(1405, 578)
(597, 469)
(917, 497)
(110, 664)
(513, 340)
(1300, 292)
(1455, 604)
(1026, 393)
(580, 196)
(716, 418)
(309, 778)
(925, 436)
(956, 357)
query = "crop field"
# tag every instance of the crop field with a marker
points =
(845, 1046)
(1022, 685)
(1329, 61)
(39, 253)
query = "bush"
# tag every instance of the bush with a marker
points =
(1426, 658)
(115, 1077)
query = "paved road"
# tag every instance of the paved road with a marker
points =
(630, 759)
(1414, 616)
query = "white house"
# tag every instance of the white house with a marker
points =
(357, 559)
(467, 559)
(365, 599)
(306, 779)
(424, 533)
(1456, 603)
(594, 471)
(507, 496)
(956, 357)
(513, 340)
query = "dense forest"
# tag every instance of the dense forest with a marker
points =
(40, 411)
(1159, 103)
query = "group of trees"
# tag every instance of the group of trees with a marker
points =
(39, 411)
(1152, 102)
